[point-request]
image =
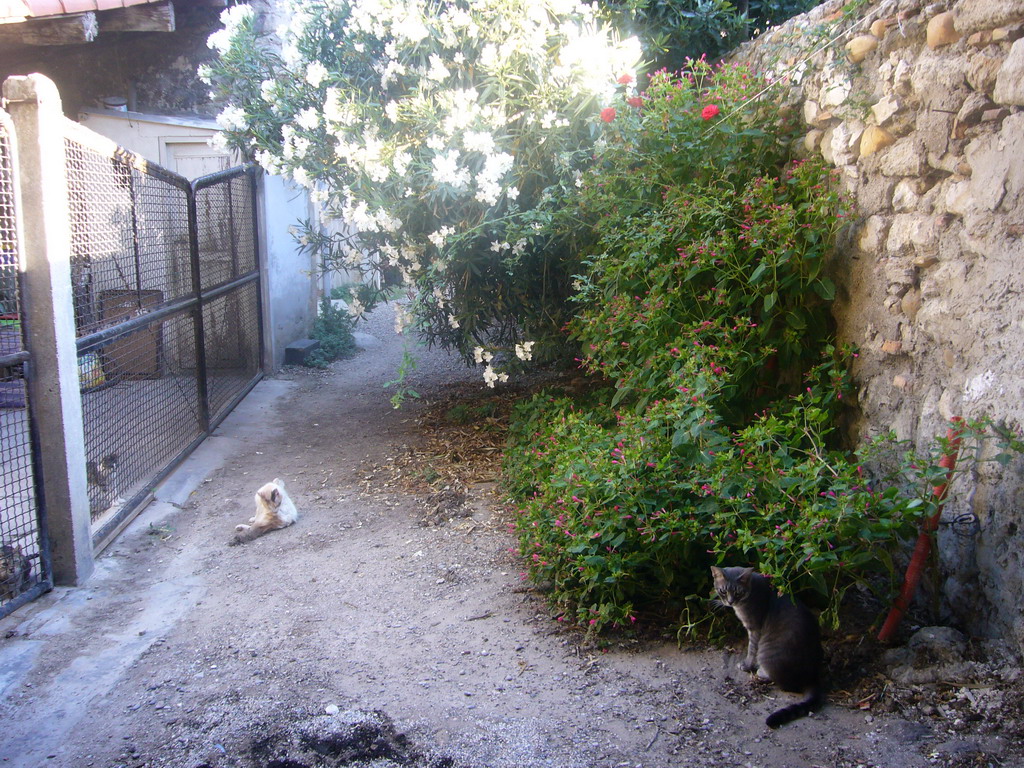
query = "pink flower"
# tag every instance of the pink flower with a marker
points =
(608, 114)
(710, 111)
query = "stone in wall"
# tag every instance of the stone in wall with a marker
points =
(1009, 86)
(979, 15)
(983, 72)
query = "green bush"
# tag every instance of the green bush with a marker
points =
(333, 329)
(621, 513)
(705, 304)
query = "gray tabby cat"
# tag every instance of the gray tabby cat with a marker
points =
(15, 572)
(101, 477)
(783, 638)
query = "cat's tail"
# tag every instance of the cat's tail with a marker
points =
(245, 533)
(808, 704)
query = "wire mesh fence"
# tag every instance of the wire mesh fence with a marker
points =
(224, 219)
(141, 407)
(129, 238)
(232, 340)
(23, 563)
(225, 224)
(161, 355)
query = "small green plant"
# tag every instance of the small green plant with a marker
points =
(364, 295)
(333, 329)
(400, 383)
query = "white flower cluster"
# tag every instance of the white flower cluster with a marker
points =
(491, 376)
(427, 122)
(356, 308)
(432, 105)
(447, 170)
(439, 238)
(488, 181)
(316, 73)
(403, 318)
(232, 119)
(232, 19)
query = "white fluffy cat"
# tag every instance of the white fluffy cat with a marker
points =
(274, 509)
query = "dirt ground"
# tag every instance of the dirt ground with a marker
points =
(390, 626)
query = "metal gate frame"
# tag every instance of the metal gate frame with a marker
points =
(194, 305)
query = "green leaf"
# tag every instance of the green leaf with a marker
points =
(825, 288)
(796, 320)
(757, 274)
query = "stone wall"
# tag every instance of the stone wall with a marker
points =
(921, 108)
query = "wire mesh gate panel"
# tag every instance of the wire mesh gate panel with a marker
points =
(166, 283)
(24, 560)
(228, 275)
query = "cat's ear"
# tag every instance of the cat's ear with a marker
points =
(745, 576)
(717, 573)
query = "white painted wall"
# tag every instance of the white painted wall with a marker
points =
(290, 291)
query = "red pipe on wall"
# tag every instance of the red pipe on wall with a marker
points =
(924, 539)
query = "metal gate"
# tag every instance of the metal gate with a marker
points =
(165, 292)
(165, 278)
(24, 556)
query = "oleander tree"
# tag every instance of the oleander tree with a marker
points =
(440, 135)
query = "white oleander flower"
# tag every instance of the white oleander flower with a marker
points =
(490, 376)
(316, 73)
(302, 178)
(439, 237)
(524, 351)
(447, 170)
(403, 318)
(232, 119)
(308, 118)
(438, 71)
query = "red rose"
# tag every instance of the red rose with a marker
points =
(710, 111)
(625, 79)
(635, 101)
(608, 114)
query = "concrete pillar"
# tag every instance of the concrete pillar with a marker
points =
(35, 108)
